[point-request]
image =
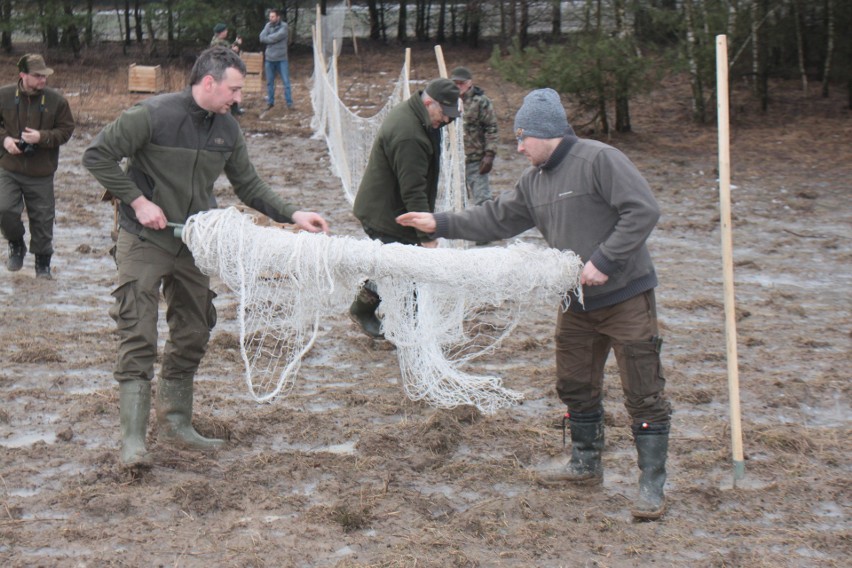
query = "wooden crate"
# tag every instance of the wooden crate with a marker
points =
(145, 79)
(254, 62)
(254, 83)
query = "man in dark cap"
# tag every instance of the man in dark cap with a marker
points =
(480, 135)
(587, 197)
(220, 38)
(401, 176)
(34, 122)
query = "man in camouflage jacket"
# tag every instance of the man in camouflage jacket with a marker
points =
(480, 135)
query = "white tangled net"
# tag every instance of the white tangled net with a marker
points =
(288, 282)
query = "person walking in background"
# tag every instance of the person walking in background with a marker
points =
(220, 38)
(402, 175)
(275, 36)
(176, 145)
(34, 122)
(587, 197)
(480, 135)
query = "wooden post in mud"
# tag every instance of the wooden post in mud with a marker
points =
(727, 253)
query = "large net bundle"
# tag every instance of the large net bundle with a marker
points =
(286, 282)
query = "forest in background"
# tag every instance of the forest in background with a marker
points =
(602, 53)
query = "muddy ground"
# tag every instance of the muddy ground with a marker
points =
(346, 471)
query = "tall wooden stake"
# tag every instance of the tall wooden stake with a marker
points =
(727, 254)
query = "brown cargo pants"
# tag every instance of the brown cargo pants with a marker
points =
(583, 343)
(143, 268)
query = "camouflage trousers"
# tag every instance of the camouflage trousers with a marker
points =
(477, 184)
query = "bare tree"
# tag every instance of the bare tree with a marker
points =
(699, 111)
(829, 48)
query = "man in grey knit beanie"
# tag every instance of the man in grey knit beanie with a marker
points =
(542, 116)
(588, 197)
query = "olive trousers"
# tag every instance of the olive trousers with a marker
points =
(143, 269)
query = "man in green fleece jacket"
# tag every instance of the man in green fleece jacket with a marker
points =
(587, 197)
(176, 146)
(401, 176)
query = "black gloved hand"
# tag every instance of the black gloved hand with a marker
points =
(486, 163)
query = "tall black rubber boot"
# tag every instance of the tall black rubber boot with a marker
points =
(17, 250)
(363, 311)
(587, 443)
(174, 416)
(42, 266)
(652, 447)
(134, 407)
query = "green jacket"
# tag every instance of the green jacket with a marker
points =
(402, 172)
(175, 151)
(46, 111)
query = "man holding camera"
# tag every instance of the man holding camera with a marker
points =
(34, 122)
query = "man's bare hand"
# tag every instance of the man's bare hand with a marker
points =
(31, 136)
(149, 213)
(591, 276)
(423, 222)
(311, 222)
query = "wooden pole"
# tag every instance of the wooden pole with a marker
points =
(458, 201)
(727, 254)
(406, 84)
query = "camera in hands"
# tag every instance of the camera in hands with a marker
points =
(26, 148)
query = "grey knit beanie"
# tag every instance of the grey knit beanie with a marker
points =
(542, 116)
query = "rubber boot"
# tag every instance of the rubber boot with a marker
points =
(174, 416)
(17, 250)
(134, 407)
(652, 446)
(587, 443)
(363, 312)
(42, 266)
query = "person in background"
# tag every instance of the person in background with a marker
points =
(220, 39)
(176, 145)
(275, 36)
(35, 121)
(587, 197)
(480, 135)
(402, 175)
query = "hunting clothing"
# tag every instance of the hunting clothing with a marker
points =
(402, 172)
(175, 152)
(480, 125)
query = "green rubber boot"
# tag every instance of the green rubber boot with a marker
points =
(134, 407)
(174, 416)
(587, 443)
(652, 447)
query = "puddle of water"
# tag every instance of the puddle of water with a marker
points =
(346, 448)
(28, 439)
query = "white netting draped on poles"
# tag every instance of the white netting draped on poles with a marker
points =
(349, 137)
(286, 282)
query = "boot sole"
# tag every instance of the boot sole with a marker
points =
(650, 515)
(557, 482)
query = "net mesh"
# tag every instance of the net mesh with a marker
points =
(287, 282)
